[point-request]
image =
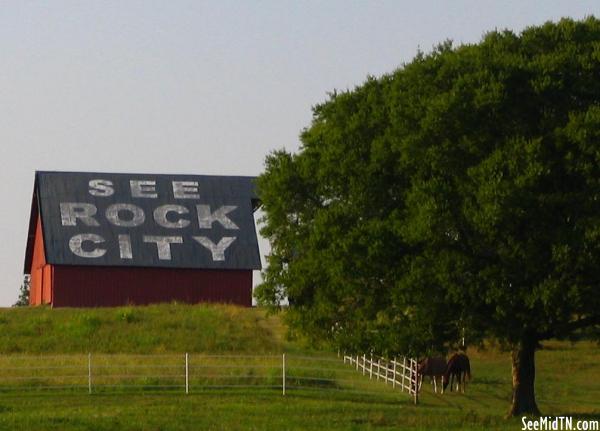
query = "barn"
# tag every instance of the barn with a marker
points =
(102, 239)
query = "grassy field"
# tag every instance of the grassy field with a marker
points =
(568, 380)
(165, 328)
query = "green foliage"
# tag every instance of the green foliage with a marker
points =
(127, 314)
(461, 191)
(23, 299)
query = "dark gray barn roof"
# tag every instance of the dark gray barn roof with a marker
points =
(145, 220)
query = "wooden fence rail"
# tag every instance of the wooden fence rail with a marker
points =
(399, 372)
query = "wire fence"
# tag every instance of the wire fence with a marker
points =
(184, 373)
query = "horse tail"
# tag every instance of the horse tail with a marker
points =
(468, 369)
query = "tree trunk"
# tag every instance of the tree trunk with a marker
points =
(523, 379)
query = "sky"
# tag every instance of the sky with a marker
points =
(198, 87)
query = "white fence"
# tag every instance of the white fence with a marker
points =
(400, 373)
(184, 373)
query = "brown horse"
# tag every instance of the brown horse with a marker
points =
(458, 366)
(432, 367)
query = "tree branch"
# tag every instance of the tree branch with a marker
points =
(567, 328)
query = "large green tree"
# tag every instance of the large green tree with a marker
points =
(459, 193)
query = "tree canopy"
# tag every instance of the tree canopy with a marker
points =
(459, 193)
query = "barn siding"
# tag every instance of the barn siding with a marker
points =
(87, 286)
(41, 272)
(47, 284)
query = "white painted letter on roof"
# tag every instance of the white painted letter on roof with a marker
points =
(76, 245)
(71, 211)
(160, 216)
(185, 190)
(125, 247)
(206, 218)
(143, 189)
(101, 188)
(137, 215)
(217, 250)
(163, 244)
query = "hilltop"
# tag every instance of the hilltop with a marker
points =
(139, 329)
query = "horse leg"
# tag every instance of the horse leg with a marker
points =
(458, 382)
(454, 377)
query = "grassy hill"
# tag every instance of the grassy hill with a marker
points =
(323, 393)
(141, 330)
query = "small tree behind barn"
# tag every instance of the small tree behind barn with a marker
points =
(23, 299)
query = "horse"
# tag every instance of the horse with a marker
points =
(432, 367)
(458, 366)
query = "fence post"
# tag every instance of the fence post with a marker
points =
(371, 368)
(394, 374)
(187, 374)
(387, 371)
(416, 382)
(378, 368)
(364, 364)
(413, 387)
(283, 373)
(403, 372)
(89, 373)
(356, 362)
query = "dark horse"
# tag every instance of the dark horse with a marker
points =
(458, 366)
(432, 367)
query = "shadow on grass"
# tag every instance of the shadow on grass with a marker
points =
(488, 381)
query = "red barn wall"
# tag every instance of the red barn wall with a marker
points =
(89, 286)
(41, 272)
